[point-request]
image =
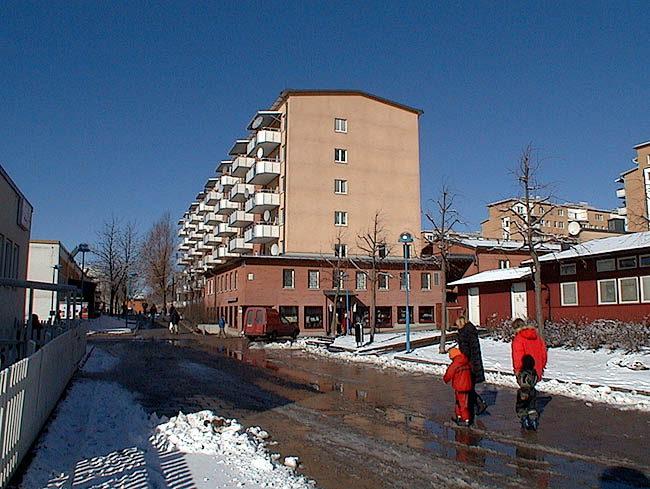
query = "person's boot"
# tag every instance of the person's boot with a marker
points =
(532, 420)
(525, 422)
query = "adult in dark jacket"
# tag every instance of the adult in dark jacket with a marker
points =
(469, 345)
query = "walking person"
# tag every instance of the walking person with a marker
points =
(222, 327)
(460, 375)
(153, 311)
(470, 346)
(174, 319)
(357, 332)
(528, 361)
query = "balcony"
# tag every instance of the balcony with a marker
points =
(227, 207)
(262, 233)
(225, 230)
(264, 143)
(224, 166)
(195, 218)
(263, 172)
(212, 219)
(212, 197)
(240, 219)
(212, 261)
(238, 245)
(182, 232)
(211, 240)
(239, 148)
(222, 252)
(227, 181)
(241, 192)
(241, 165)
(620, 193)
(204, 209)
(622, 211)
(262, 201)
(195, 236)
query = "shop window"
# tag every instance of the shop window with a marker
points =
(384, 316)
(401, 315)
(313, 317)
(427, 314)
(289, 314)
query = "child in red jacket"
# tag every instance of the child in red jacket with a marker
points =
(460, 375)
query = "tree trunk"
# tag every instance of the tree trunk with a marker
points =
(372, 316)
(537, 276)
(443, 321)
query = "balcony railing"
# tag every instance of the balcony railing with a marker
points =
(263, 172)
(620, 193)
(262, 233)
(205, 208)
(240, 219)
(227, 207)
(241, 165)
(238, 245)
(212, 219)
(266, 140)
(224, 166)
(262, 201)
(241, 192)
(225, 230)
(212, 197)
(211, 240)
(227, 181)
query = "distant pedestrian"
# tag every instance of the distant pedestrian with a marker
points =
(528, 357)
(222, 327)
(174, 319)
(470, 346)
(37, 327)
(357, 332)
(153, 311)
(460, 375)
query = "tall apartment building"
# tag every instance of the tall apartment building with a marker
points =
(580, 221)
(15, 227)
(636, 191)
(295, 193)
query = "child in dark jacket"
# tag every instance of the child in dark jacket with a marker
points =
(460, 375)
(526, 394)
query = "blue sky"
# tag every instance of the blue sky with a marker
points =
(125, 108)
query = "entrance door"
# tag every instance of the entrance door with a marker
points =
(518, 300)
(473, 306)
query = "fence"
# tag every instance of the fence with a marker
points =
(29, 391)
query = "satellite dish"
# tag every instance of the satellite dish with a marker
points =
(574, 228)
(260, 153)
(257, 122)
(267, 215)
(275, 249)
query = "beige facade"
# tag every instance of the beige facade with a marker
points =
(15, 225)
(580, 221)
(314, 169)
(636, 191)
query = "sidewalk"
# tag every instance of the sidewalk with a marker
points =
(100, 436)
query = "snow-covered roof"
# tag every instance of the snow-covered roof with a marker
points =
(494, 276)
(504, 245)
(626, 242)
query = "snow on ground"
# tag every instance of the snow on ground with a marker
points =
(100, 437)
(109, 325)
(382, 340)
(587, 375)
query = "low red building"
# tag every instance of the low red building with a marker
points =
(606, 278)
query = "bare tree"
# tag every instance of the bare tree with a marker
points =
(157, 257)
(375, 247)
(337, 264)
(128, 251)
(528, 217)
(107, 259)
(444, 219)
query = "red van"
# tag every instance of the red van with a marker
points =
(265, 322)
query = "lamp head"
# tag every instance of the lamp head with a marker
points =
(405, 237)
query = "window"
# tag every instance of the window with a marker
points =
(236, 280)
(569, 293)
(560, 212)
(340, 218)
(645, 288)
(289, 314)
(426, 314)
(8, 255)
(341, 250)
(599, 217)
(313, 279)
(313, 317)
(405, 281)
(384, 316)
(626, 262)
(251, 276)
(340, 125)
(401, 315)
(288, 278)
(568, 269)
(340, 186)
(383, 281)
(361, 281)
(16, 261)
(436, 278)
(607, 291)
(341, 155)
(605, 265)
(337, 279)
(644, 260)
(554, 224)
(382, 251)
(426, 280)
(628, 290)
(561, 224)
(2, 247)
(504, 263)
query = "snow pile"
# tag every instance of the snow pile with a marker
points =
(108, 325)
(101, 362)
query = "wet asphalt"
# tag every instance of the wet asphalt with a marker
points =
(357, 426)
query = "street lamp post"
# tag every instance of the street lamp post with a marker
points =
(406, 239)
(347, 302)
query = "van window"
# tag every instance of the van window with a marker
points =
(249, 318)
(259, 317)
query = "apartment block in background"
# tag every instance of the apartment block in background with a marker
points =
(305, 181)
(580, 221)
(635, 193)
(15, 226)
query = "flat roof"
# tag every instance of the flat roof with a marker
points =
(641, 145)
(289, 92)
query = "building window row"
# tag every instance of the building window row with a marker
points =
(226, 282)
(361, 280)
(313, 315)
(624, 290)
(9, 258)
